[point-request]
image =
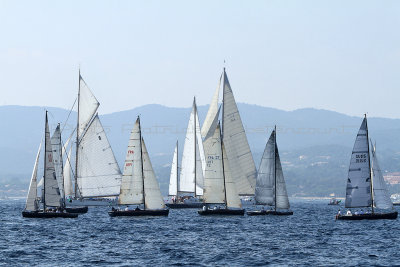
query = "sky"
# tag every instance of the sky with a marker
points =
(337, 55)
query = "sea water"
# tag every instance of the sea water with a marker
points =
(310, 237)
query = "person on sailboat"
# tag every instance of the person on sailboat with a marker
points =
(126, 209)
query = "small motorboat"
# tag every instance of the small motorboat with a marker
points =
(334, 201)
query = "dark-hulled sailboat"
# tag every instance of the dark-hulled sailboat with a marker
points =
(53, 203)
(139, 184)
(366, 187)
(270, 183)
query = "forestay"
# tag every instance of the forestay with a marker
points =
(232, 197)
(381, 194)
(173, 179)
(31, 200)
(98, 172)
(236, 144)
(132, 179)
(358, 190)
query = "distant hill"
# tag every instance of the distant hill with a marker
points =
(315, 145)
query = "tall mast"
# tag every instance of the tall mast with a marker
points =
(275, 163)
(141, 159)
(62, 171)
(223, 169)
(195, 143)
(177, 168)
(369, 163)
(77, 138)
(223, 103)
(45, 160)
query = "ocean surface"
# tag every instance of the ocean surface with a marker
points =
(310, 237)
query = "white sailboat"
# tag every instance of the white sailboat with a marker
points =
(365, 184)
(270, 183)
(219, 186)
(235, 140)
(51, 197)
(139, 184)
(97, 174)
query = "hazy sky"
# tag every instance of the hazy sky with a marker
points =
(336, 55)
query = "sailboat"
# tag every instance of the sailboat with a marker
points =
(366, 187)
(97, 174)
(270, 183)
(139, 184)
(234, 138)
(219, 186)
(190, 189)
(51, 198)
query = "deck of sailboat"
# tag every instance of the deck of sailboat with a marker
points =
(269, 212)
(221, 212)
(41, 214)
(129, 213)
(369, 216)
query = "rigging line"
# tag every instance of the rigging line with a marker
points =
(65, 123)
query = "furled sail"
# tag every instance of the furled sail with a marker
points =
(237, 147)
(214, 188)
(52, 193)
(381, 193)
(31, 200)
(193, 157)
(265, 183)
(87, 105)
(232, 197)
(132, 179)
(173, 179)
(67, 175)
(153, 197)
(212, 111)
(358, 190)
(98, 171)
(282, 200)
(57, 158)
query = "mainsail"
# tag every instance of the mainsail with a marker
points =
(31, 200)
(98, 173)
(132, 180)
(358, 190)
(51, 191)
(191, 177)
(173, 179)
(381, 193)
(237, 147)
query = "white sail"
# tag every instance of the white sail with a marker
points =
(236, 144)
(282, 200)
(57, 158)
(381, 193)
(52, 193)
(98, 171)
(68, 190)
(132, 179)
(64, 147)
(87, 106)
(232, 197)
(41, 181)
(212, 111)
(153, 197)
(191, 166)
(358, 190)
(213, 125)
(214, 188)
(173, 179)
(31, 200)
(265, 183)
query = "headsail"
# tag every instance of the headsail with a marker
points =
(173, 179)
(236, 144)
(67, 175)
(232, 197)
(87, 106)
(98, 171)
(358, 190)
(132, 179)
(57, 158)
(212, 111)
(381, 193)
(31, 200)
(282, 200)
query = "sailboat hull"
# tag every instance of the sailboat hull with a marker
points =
(368, 216)
(77, 209)
(129, 213)
(91, 202)
(269, 212)
(41, 214)
(221, 212)
(197, 205)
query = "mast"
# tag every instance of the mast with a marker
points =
(223, 171)
(62, 172)
(77, 139)
(275, 163)
(45, 160)
(369, 163)
(141, 158)
(223, 105)
(195, 143)
(177, 169)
